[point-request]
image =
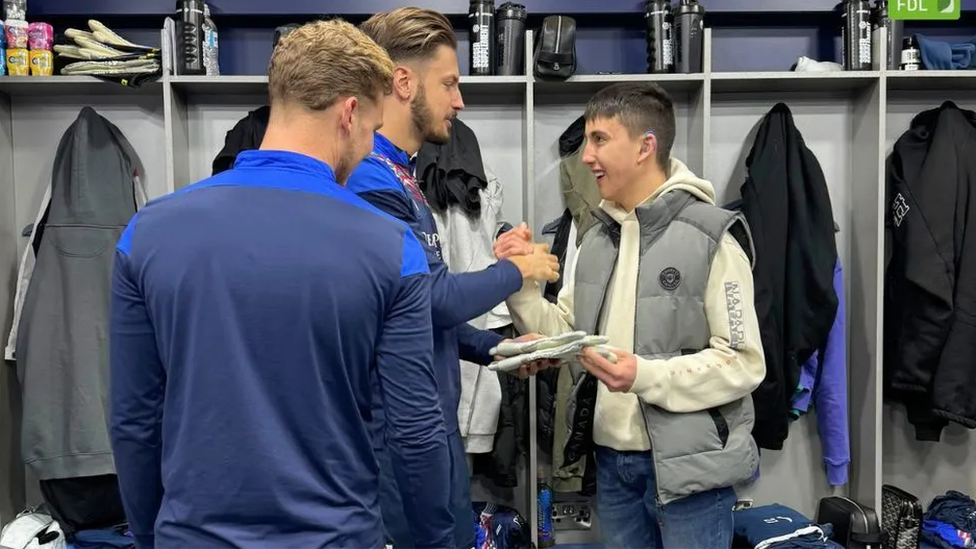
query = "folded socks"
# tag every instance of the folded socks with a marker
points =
(564, 348)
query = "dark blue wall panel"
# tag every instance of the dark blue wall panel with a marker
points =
(346, 7)
(748, 35)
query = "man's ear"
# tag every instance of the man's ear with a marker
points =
(404, 82)
(648, 146)
(351, 108)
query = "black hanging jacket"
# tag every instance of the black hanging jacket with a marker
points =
(930, 280)
(453, 173)
(246, 135)
(786, 202)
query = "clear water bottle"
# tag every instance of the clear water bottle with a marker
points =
(211, 57)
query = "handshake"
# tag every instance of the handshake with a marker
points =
(533, 260)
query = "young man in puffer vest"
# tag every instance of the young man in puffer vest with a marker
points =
(667, 276)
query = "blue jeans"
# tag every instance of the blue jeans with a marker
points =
(630, 516)
(395, 522)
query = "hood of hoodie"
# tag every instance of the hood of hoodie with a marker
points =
(682, 178)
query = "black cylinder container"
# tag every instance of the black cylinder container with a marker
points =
(911, 58)
(481, 16)
(895, 30)
(189, 37)
(281, 32)
(856, 29)
(510, 50)
(659, 18)
(689, 22)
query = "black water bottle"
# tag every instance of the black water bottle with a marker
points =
(856, 29)
(189, 37)
(510, 28)
(689, 21)
(895, 29)
(659, 19)
(481, 15)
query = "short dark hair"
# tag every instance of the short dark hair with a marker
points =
(410, 33)
(641, 107)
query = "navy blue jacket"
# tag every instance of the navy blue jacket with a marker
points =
(250, 313)
(385, 179)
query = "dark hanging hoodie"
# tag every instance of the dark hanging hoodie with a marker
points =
(786, 201)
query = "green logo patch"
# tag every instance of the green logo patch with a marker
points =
(924, 10)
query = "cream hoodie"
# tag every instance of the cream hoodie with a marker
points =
(618, 423)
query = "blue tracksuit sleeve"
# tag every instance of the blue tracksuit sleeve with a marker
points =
(474, 344)
(137, 386)
(455, 297)
(415, 423)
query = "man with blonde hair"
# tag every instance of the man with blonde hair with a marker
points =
(425, 99)
(250, 314)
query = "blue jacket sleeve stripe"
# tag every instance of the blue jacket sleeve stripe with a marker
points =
(414, 258)
(125, 241)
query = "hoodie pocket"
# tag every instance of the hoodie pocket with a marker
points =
(83, 242)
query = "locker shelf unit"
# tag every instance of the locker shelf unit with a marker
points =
(848, 119)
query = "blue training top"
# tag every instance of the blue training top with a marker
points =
(249, 313)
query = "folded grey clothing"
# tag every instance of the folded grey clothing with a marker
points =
(513, 348)
(563, 353)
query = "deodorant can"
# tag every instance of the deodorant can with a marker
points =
(689, 22)
(856, 29)
(481, 16)
(911, 57)
(659, 18)
(510, 28)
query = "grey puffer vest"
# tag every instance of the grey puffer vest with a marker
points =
(693, 452)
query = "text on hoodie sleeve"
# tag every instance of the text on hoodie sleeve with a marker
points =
(415, 423)
(732, 366)
(136, 393)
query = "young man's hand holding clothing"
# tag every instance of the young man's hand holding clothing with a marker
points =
(737, 365)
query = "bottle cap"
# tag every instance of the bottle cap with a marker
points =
(511, 10)
(689, 6)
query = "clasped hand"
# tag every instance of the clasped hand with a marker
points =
(533, 260)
